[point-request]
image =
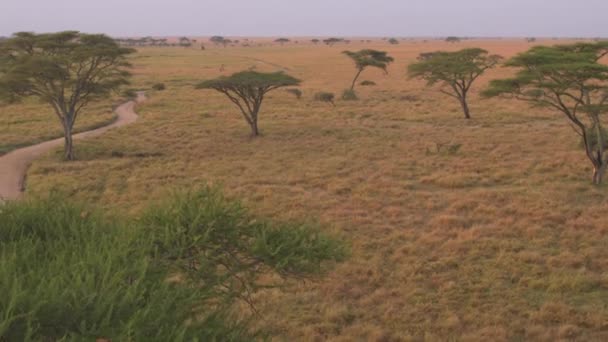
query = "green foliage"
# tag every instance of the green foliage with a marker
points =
(452, 67)
(250, 82)
(159, 86)
(368, 83)
(282, 40)
(295, 91)
(67, 70)
(453, 39)
(456, 71)
(349, 95)
(325, 97)
(129, 94)
(393, 41)
(368, 58)
(568, 79)
(67, 273)
(185, 42)
(247, 89)
(333, 40)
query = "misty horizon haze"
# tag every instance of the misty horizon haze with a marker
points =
(271, 18)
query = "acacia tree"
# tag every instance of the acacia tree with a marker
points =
(455, 70)
(568, 79)
(247, 89)
(368, 58)
(282, 40)
(67, 70)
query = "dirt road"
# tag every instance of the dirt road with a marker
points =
(14, 165)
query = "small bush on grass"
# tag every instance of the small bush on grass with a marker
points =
(295, 91)
(129, 94)
(325, 97)
(368, 83)
(349, 95)
(67, 273)
(159, 87)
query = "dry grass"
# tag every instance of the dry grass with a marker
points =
(504, 240)
(33, 122)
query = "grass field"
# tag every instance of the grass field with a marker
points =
(504, 239)
(33, 122)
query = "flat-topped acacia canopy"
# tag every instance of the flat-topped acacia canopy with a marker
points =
(568, 79)
(250, 79)
(67, 70)
(456, 70)
(246, 89)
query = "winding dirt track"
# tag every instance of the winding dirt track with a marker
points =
(14, 165)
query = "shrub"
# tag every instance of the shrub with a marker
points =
(349, 95)
(68, 273)
(393, 41)
(325, 97)
(368, 83)
(295, 91)
(159, 86)
(129, 94)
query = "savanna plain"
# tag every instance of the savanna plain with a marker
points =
(483, 229)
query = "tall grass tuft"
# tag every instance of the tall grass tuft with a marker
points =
(69, 273)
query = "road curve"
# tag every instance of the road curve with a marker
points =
(14, 165)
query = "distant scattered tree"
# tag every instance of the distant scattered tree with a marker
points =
(295, 91)
(368, 83)
(325, 97)
(452, 39)
(185, 42)
(570, 80)
(531, 40)
(67, 70)
(368, 58)
(217, 39)
(159, 86)
(332, 41)
(247, 89)
(393, 41)
(349, 95)
(315, 41)
(282, 40)
(220, 40)
(456, 70)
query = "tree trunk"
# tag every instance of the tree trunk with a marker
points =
(68, 151)
(254, 126)
(598, 173)
(352, 86)
(465, 107)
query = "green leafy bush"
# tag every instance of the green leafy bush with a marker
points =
(295, 91)
(159, 87)
(349, 95)
(129, 94)
(67, 273)
(324, 96)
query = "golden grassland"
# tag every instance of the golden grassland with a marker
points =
(32, 122)
(505, 239)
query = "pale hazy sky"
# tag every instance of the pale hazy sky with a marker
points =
(571, 18)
